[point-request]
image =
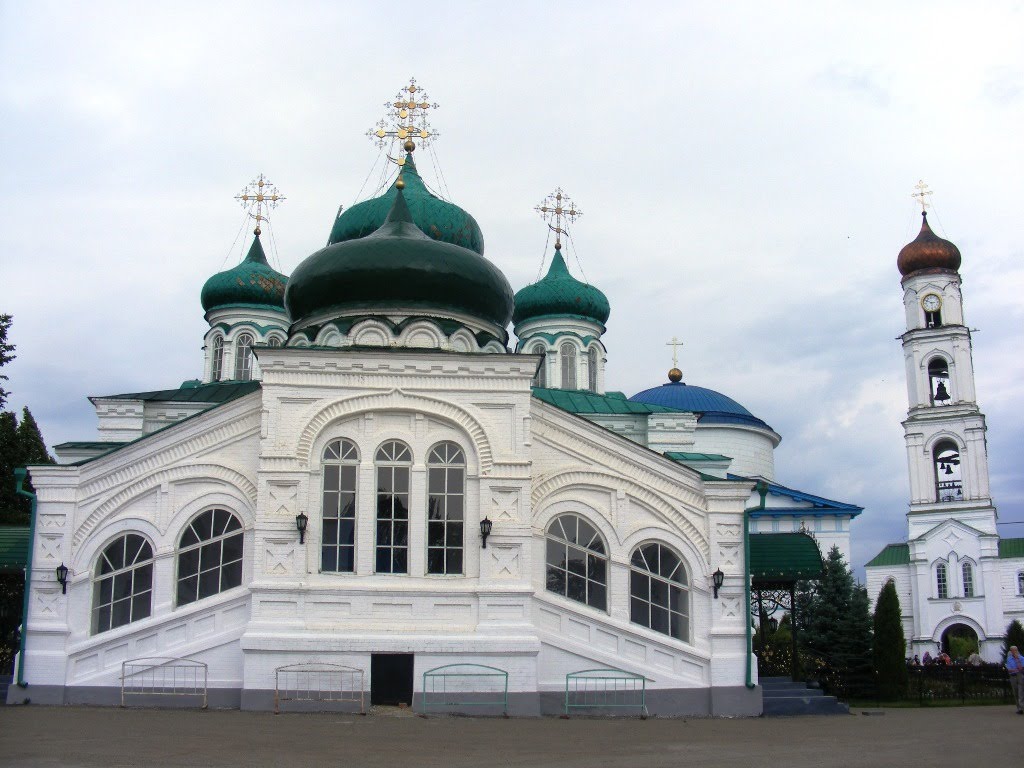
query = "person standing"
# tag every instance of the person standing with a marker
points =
(1015, 666)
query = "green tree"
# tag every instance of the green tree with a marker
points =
(12, 507)
(1014, 636)
(6, 355)
(828, 605)
(890, 646)
(30, 441)
(853, 648)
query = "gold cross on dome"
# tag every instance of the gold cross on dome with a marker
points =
(405, 120)
(922, 194)
(258, 197)
(675, 344)
(560, 209)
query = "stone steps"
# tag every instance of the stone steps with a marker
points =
(782, 697)
(5, 682)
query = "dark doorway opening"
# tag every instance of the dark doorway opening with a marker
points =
(391, 678)
(959, 641)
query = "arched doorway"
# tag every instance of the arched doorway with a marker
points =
(959, 641)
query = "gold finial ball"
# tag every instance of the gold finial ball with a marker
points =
(257, 231)
(675, 375)
(409, 145)
(400, 183)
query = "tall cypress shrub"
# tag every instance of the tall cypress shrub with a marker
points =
(890, 646)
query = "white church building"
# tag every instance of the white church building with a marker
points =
(954, 575)
(372, 473)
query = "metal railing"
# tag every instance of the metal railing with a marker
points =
(319, 682)
(465, 685)
(163, 676)
(605, 688)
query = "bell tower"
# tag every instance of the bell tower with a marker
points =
(944, 429)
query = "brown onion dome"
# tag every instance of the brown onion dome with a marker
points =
(928, 251)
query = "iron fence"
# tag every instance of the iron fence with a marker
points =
(319, 682)
(605, 689)
(163, 676)
(465, 685)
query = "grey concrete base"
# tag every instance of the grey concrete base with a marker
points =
(262, 700)
(520, 704)
(732, 701)
(110, 696)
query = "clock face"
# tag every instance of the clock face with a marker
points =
(931, 302)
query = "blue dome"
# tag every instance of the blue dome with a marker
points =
(712, 407)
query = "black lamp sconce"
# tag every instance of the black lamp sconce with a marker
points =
(718, 579)
(62, 578)
(301, 521)
(485, 530)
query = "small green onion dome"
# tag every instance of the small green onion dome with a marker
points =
(559, 293)
(397, 267)
(253, 281)
(441, 220)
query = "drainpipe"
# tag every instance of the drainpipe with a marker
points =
(19, 482)
(762, 490)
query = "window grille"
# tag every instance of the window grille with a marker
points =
(568, 352)
(659, 597)
(338, 539)
(446, 501)
(941, 581)
(123, 585)
(243, 357)
(209, 556)
(577, 563)
(393, 461)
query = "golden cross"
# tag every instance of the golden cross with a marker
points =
(675, 344)
(922, 194)
(558, 207)
(260, 195)
(405, 120)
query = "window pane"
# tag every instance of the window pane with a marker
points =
(435, 534)
(639, 585)
(659, 619)
(680, 627)
(576, 588)
(329, 558)
(330, 531)
(104, 591)
(121, 613)
(209, 556)
(638, 612)
(346, 559)
(209, 583)
(597, 568)
(577, 561)
(454, 508)
(401, 534)
(383, 533)
(659, 593)
(400, 561)
(597, 596)
(556, 580)
(122, 585)
(454, 561)
(203, 525)
(454, 535)
(140, 606)
(231, 576)
(435, 480)
(346, 531)
(187, 589)
(435, 561)
(233, 548)
(383, 560)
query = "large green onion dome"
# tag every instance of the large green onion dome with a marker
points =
(253, 281)
(441, 220)
(561, 294)
(397, 268)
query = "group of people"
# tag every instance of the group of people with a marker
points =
(943, 659)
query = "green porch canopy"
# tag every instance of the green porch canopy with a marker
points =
(13, 547)
(780, 558)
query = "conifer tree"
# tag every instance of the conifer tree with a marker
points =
(828, 606)
(1014, 636)
(853, 648)
(6, 355)
(30, 441)
(890, 649)
(12, 507)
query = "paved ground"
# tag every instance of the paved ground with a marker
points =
(109, 737)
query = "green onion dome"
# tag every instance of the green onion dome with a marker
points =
(397, 268)
(253, 281)
(559, 293)
(441, 220)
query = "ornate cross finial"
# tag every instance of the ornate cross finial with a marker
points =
(921, 195)
(560, 209)
(675, 344)
(405, 120)
(258, 198)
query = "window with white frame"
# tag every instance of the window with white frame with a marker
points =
(393, 461)
(123, 583)
(243, 357)
(540, 379)
(967, 571)
(446, 506)
(568, 353)
(209, 556)
(592, 369)
(274, 341)
(577, 561)
(217, 365)
(659, 596)
(941, 581)
(1020, 583)
(338, 540)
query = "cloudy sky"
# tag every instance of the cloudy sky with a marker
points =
(744, 169)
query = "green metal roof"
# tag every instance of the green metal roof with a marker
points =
(253, 282)
(893, 554)
(559, 294)
(13, 547)
(682, 456)
(583, 402)
(784, 557)
(1009, 548)
(216, 392)
(89, 445)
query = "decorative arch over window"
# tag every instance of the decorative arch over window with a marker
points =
(659, 595)
(217, 356)
(446, 506)
(967, 572)
(209, 556)
(338, 539)
(122, 583)
(243, 357)
(275, 341)
(938, 381)
(568, 354)
(577, 561)
(393, 462)
(592, 361)
(941, 581)
(948, 483)
(540, 379)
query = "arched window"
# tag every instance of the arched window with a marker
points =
(967, 571)
(568, 352)
(243, 357)
(938, 382)
(393, 461)
(209, 556)
(948, 483)
(446, 494)
(123, 583)
(592, 369)
(941, 582)
(577, 561)
(217, 367)
(659, 597)
(540, 379)
(338, 545)
(274, 341)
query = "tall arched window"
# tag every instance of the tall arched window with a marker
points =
(243, 357)
(659, 597)
(123, 583)
(393, 461)
(967, 571)
(540, 379)
(592, 354)
(209, 556)
(577, 562)
(217, 367)
(338, 545)
(941, 581)
(568, 352)
(446, 495)
(948, 483)
(938, 382)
